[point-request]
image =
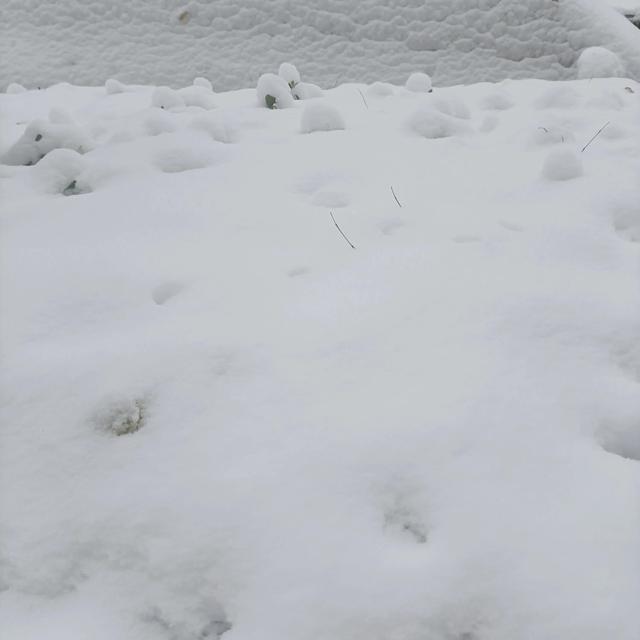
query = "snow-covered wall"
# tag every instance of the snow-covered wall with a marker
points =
(233, 41)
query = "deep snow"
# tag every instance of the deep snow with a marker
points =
(232, 42)
(219, 418)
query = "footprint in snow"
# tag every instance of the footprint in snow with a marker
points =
(626, 221)
(296, 272)
(167, 290)
(465, 238)
(390, 225)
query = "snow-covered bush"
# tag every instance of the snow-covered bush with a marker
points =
(419, 83)
(114, 86)
(431, 123)
(40, 137)
(562, 164)
(306, 91)
(320, 116)
(202, 82)
(14, 87)
(273, 92)
(289, 74)
(166, 98)
(599, 62)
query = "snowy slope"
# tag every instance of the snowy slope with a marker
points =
(232, 42)
(220, 419)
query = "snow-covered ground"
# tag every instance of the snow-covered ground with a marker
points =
(220, 418)
(333, 41)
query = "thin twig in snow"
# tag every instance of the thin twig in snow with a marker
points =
(363, 98)
(598, 132)
(395, 196)
(340, 230)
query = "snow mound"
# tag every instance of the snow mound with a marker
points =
(429, 122)
(15, 87)
(114, 86)
(306, 91)
(167, 98)
(219, 420)
(419, 83)
(599, 62)
(233, 40)
(321, 116)
(203, 82)
(562, 164)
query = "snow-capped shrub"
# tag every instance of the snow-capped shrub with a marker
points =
(599, 62)
(114, 86)
(289, 74)
(306, 91)
(41, 137)
(419, 83)
(202, 82)
(273, 92)
(562, 164)
(166, 98)
(320, 116)
(431, 123)
(381, 89)
(198, 96)
(14, 87)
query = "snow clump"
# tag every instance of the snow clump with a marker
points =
(289, 74)
(14, 87)
(306, 91)
(320, 116)
(419, 83)
(562, 164)
(599, 62)
(114, 86)
(203, 82)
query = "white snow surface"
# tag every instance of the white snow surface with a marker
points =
(232, 42)
(219, 419)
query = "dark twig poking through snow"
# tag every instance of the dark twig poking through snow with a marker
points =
(395, 196)
(340, 230)
(363, 98)
(598, 132)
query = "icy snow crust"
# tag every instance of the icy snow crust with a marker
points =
(232, 42)
(220, 419)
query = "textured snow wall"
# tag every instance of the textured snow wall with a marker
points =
(233, 41)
